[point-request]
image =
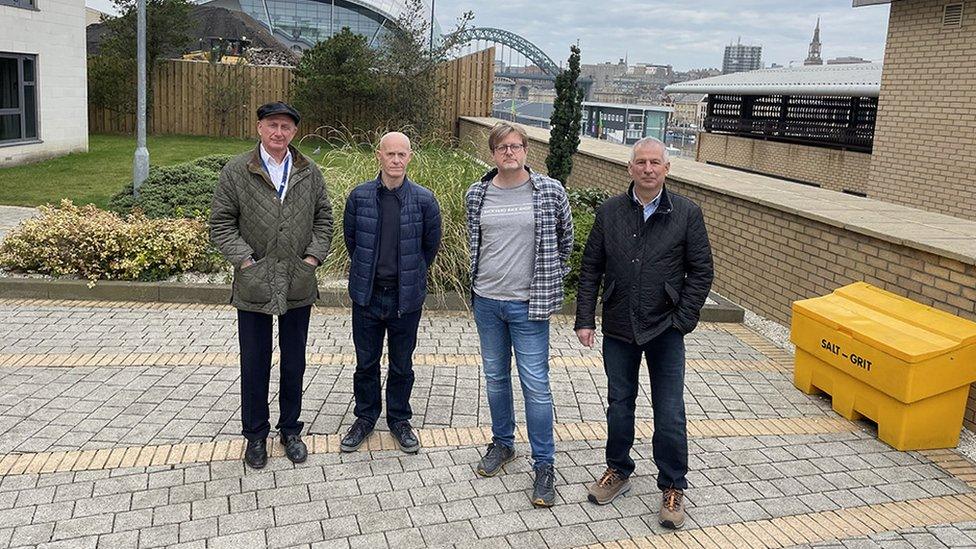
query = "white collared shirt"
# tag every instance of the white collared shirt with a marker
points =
(651, 206)
(276, 170)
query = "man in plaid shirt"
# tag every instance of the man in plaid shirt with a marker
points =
(520, 232)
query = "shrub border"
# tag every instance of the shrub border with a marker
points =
(171, 292)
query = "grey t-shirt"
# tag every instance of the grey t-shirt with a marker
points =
(506, 260)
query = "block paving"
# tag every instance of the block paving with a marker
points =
(119, 427)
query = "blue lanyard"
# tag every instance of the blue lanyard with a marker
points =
(284, 175)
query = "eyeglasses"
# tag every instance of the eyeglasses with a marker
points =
(512, 147)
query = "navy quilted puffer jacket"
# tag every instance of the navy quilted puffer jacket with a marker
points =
(420, 237)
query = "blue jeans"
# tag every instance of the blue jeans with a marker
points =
(665, 356)
(503, 325)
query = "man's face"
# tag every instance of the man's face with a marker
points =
(276, 132)
(394, 154)
(648, 169)
(509, 153)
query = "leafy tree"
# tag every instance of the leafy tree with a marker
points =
(408, 61)
(112, 73)
(335, 77)
(166, 24)
(565, 120)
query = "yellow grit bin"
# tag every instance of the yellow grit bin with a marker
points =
(904, 365)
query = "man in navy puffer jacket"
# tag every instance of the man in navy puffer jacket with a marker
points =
(392, 230)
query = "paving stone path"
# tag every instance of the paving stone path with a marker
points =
(119, 428)
(11, 216)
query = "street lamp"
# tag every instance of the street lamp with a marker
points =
(140, 165)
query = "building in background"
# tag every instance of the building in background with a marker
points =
(689, 109)
(300, 24)
(809, 124)
(624, 124)
(741, 58)
(848, 60)
(813, 56)
(43, 80)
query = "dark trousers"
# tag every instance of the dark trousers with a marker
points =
(369, 325)
(254, 335)
(665, 356)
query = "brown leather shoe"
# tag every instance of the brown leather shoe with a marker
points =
(608, 487)
(672, 509)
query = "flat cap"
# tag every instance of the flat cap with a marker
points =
(277, 107)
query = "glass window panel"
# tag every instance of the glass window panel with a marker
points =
(9, 127)
(28, 70)
(30, 111)
(9, 86)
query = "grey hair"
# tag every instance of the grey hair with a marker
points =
(644, 142)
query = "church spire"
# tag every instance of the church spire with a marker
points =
(813, 58)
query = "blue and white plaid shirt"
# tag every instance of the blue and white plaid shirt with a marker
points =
(553, 236)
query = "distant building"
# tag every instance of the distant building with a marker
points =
(93, 16)
(813, 57)
(300, 24)
(689, 109)
(809, 124)
(847, 61)
(741, 58)
(602, 73)
(43, 80)
(625, 124)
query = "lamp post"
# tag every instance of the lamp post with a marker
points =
(140, 165)
(431, 28)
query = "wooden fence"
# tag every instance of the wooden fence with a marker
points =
(198, 98)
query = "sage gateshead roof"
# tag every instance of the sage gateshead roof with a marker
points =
(302, 23)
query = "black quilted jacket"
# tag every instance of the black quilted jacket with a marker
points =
(656, 274)
(247, 219)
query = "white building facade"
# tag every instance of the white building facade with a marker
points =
(43, 80)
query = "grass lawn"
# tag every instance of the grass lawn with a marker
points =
(95, 176)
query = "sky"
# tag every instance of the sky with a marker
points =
(686, 34)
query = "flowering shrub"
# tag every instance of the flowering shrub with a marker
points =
(87, 242)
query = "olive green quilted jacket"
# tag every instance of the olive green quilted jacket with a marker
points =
(248, 220)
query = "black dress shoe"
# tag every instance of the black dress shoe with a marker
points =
(356, 436)
(256, 453)
(405, 437)
(295, 449)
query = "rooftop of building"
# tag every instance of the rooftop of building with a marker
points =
(860, 80)
(629, 107)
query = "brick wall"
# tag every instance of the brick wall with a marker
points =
(767, 257)
(830, 168)
(925, 136)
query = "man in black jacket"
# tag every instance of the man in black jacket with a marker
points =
(651, 249)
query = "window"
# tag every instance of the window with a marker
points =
(18, 97)
(26, 4)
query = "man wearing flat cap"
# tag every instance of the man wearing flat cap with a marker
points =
(271, 219)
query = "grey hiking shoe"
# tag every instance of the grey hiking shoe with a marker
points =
(544, 489)
(496, 456)
(608, 487)
(672, 508)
